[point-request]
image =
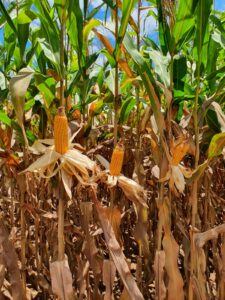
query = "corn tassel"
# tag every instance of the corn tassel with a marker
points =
(116, 161)
(61, 135)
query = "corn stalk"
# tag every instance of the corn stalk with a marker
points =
(61, 206)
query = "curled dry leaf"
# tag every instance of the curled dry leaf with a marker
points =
(103, 161)
(175, 284)
(61, 279)
(18, 86)
(73, 162)
(202, 237)
(116, 252)
(159, 264)
(178, 178)
(132, 190)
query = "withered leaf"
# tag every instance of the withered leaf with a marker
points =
(159, 264)
(61, 279)
(175, 284)
(109, 273)
(132, 190)
(116, 252)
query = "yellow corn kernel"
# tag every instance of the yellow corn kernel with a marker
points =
(179, 152)
(116, 161)
(145, 214)
(61, 135)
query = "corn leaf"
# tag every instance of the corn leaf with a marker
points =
(62, 281)
(127, 7)
(117, 253)
(18, 87)
(216, 145)
(147, 78)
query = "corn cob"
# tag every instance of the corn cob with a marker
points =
(61, 135)
(116, 161)
(179, 151)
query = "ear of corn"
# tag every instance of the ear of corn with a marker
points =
(116, 161)
(179, 151)
(61, 135)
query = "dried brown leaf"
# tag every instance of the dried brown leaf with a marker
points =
(114, 216)
(83, 268)
(61, 279)
(109, 273)
(132, 190)
(171, 248)
(159, 264)
(116, 252)
(175, 284)
(202, 237)
(89, 245)
(11, 263)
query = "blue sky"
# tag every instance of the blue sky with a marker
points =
(219, 5)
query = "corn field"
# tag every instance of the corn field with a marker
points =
(112, 148)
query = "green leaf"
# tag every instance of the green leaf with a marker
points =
(148, 81)
(46, 85)
(29, 104)
(161, 66)
(88, 27)
(10, 44)
(110, 81)
(75, 30)
(184, 23)
(216, 145)
(126, 109)
(5, 119)
(48, 53)
(218, 24)
(7, 17)
(202, 16)
(218, 38)
(164, 31)
(179, 71)
(49, 31)
(24, 19)
(127, 7)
